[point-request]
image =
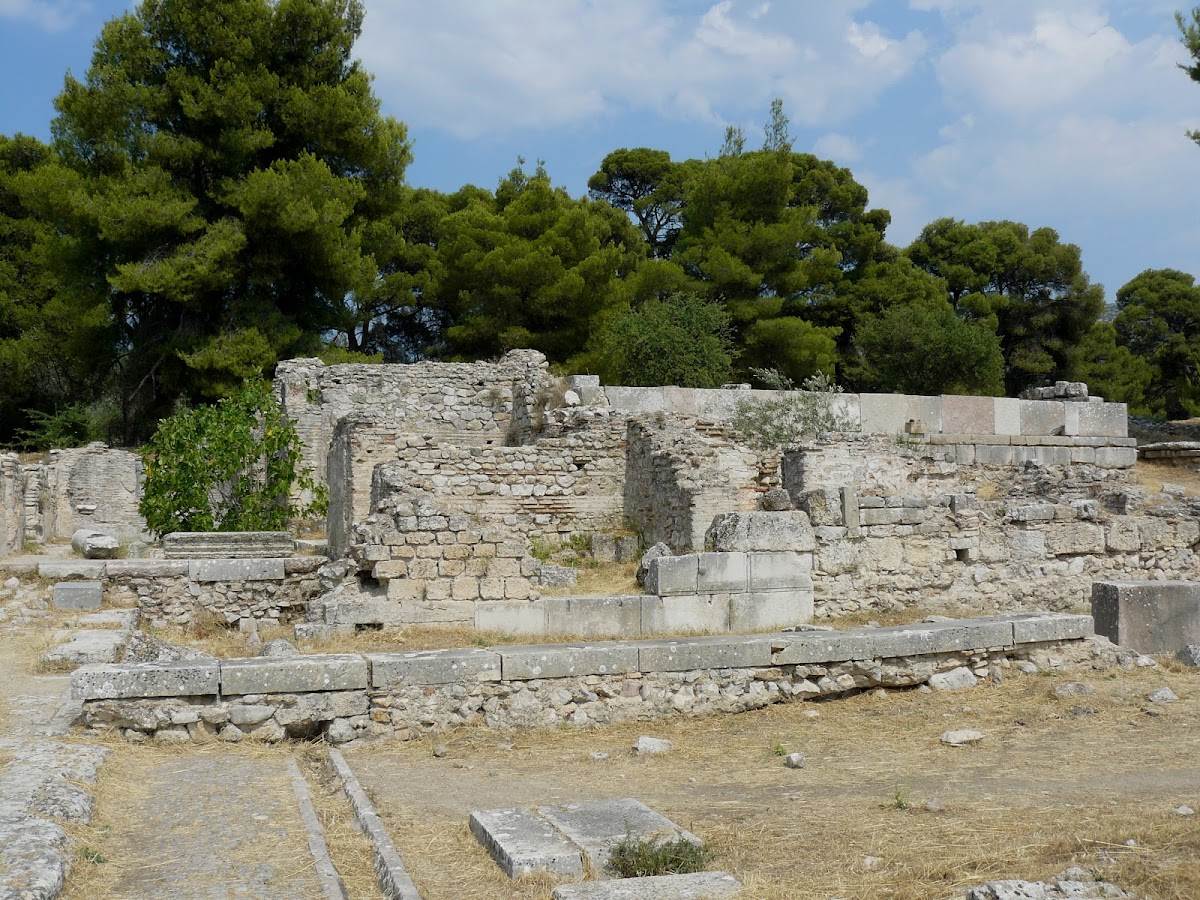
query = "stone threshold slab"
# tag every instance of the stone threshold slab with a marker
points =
(697, 886)
(566, 840)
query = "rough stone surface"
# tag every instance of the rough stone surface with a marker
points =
(77, 595)
(93, 544)
(696, 886)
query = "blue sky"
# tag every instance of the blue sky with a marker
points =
(1064, 113)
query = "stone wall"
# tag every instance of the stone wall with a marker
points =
(466, 404)
(682, 473)
(405, 695)
(229, 592)
(904, 524)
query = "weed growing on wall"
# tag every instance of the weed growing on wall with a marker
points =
(791, 415)
(228, 467)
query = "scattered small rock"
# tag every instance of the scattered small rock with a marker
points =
(955, 680)
(1025, 666)
(599, 756)
(1184, 810)
(871, 863)
(933, 805)
(776, 500)
(1145, 662)
(1175, 490)
(1082, 711)
(794, 760)
(1162, 695)
(962, 737)
(278, 647)
(648, 746)
(1189, 655)
(811, 714)
(440, 751)
(1073, 689)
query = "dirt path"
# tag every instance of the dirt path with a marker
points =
(186, 823)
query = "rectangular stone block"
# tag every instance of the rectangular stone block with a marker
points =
(633, 400)
(770, 610)
(1154, 617)
(595, 616)
(1074, 539)
(940, 637)
(466, 665)
(812, 647)
(77, 595)
(1116, 457)
(780, 571)
(1103, 419)
(228, 545)
(193, 678)
(146, 568)
(721, 573)
(294, 674)
(890, 413)
(61, 569)
(1042, 417)
(522, 842)
(597, 827)
(364, 612)
(686, 654)
(709, 885)
(968, 415)
(566, 661)
(697, 612)
(1007, 415)
(993, 454)
(673, 575)
(438, 612)
(1035, 628)
(511, 616)
(236, 570)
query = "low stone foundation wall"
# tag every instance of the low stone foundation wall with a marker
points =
(404, 695)
(173, 591)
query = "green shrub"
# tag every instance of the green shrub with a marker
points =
(636, 858)
(232, 466)
(791, 415)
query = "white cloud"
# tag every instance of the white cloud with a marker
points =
(505, 66)
(52, 15)
(838, 147)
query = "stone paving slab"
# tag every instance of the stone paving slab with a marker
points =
(557, 839)
(522, 842)
(77, 595)
(215, 825)
(89, 645)
(696, 886)
(191, 678)
(599, 826)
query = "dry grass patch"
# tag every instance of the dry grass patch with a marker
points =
(1153, 474)
(349, 848)
(1056, 782)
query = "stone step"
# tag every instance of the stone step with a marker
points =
(696, 886)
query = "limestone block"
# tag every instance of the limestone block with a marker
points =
(595, 616)
(522, 842)
(146, 568)
(1030, 512)
(838, 557)
(922, 553)
(566, 661)
(58, 570)
(761, 530)
(808, 647)
(597, 827)
(1116, 457)
(1154, 617)
(466, 664)
(1102, 419)
(883, 554)
(511, 616)
(1042, 417)
(1028, 544)
(77, 595)
(890, 413)
(1007, 415)
(364, 611)
(780, 571)
(721, 573)
(672, 575)
(968, 415)
(93, 544)
(204, 570)
(634, 400)
(1122, 535)
(190, 678)
(294, 674)
(1032, 628)
(1074, 538)
(448, 612)
(228, 545)
(823, 506)
(993, 454)
(731, 652)
(766, 610)
(683, 612)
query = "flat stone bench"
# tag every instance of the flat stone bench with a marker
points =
(1154, 617)
(228, 545)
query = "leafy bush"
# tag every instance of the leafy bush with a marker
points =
(637, 858)
(228, 467)
(791, 415)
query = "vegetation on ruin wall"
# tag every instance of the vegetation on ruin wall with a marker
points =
(221, 192)
(231, 466)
